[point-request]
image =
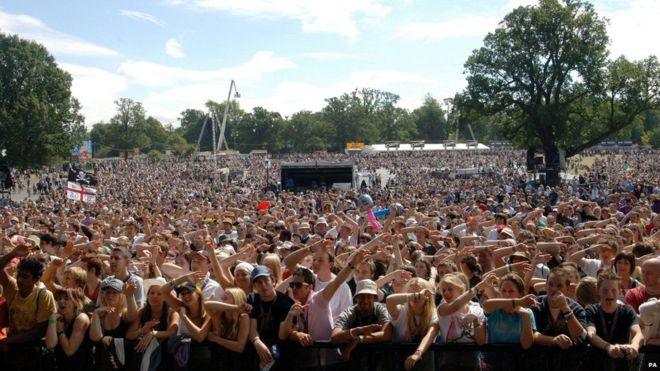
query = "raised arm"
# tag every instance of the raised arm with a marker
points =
(344, 274)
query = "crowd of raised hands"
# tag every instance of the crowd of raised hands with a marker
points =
(175, 267)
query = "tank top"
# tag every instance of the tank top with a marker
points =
(82, 359)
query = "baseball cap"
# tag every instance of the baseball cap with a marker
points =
(185, 286)
(202, 255)
(112, 283)
(259, 271)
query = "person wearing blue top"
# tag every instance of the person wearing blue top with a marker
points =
(510, 320)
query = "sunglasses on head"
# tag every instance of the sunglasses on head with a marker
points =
(297, 285)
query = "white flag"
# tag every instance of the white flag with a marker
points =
(77, 192)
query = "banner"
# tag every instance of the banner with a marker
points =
(78, 192)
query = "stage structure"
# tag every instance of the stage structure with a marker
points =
(300, 176)
(212, 118)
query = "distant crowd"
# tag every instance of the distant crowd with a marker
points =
(181, 266)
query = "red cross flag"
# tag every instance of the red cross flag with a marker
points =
(77, 192)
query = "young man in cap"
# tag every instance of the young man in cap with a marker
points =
(30, 307)
(119, 260)
(269, 310)
(200, 263)
(365, 322)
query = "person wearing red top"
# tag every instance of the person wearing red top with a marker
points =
(651, 288)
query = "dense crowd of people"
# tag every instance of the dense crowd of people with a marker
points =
(178, 266)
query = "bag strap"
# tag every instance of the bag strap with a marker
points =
(36, 312)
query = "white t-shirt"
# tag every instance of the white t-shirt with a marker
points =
(401, 324)
(649, 315)
(591, 266)
(212, 290)
(341, 300)
(453, 322)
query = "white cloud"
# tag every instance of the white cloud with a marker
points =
(153, 74)
(173, 89)
(634, 30)
(56, 42)
(96, 89)
(173, 49)
(338, 16)
(141, 16)
(468, 25)
(512, 4)
(326, 56)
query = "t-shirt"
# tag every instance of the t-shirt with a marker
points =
(24, 312)
(351, 317)
(269, 314)
(211, 289)
(637, 296)
(316, 319)
(341, 300)
(400, 325)
(649, 315)
(546, 326)
(612, 327)
(451, 329)
(506, 328)
(590, 267)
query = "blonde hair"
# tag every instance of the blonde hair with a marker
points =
(418, 330)
(456, 279)
(230, 325)
(272, 261)
(78, 276)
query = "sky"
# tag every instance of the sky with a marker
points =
(285, 55)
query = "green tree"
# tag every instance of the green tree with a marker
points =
(546, 68)
(307, 132)
(260, 129)
(430, 121)
(39, 118)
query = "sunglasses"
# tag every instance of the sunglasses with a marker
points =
(297, 285)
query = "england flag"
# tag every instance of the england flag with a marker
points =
(77, 192)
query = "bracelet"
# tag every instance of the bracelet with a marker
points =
(568, 315)
(255, 339)
(52, 321)
(360, 339)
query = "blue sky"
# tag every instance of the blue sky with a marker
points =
(285, 55)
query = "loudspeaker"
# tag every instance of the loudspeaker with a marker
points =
(5, 177)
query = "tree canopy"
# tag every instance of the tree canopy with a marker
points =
(544, 74)
(39, 118)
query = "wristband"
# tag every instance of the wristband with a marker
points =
(508, 267)
(52, 321)
(568, 315)
(360, 339)
(255, 340)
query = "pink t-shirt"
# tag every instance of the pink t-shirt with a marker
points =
(318, 317)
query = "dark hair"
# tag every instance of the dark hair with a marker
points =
(48, 239)
(642, 248)
(516, 280)
(93, 263)
(306, 274)
(32, 265)
(471, 262)
(626, 256)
